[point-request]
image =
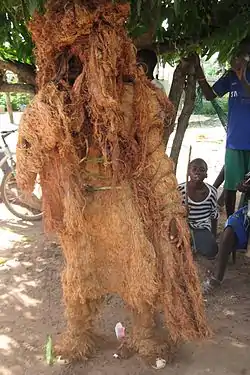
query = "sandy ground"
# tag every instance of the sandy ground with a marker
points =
(31, 308)
(31, 301)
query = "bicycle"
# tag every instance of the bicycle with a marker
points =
(12, 197)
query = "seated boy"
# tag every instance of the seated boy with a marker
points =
(202, 209)
(234, 238)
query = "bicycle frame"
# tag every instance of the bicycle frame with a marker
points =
(3, 160)
(5, 149)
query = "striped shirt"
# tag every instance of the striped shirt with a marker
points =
(201, 213)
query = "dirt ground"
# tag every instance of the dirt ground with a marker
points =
(31, 299)
(31, 308)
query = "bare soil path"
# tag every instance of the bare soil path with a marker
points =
(31, 308)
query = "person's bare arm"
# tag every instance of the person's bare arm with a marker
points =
(220, 179)
(204, 85)
(214, 213)
(200, 76)
(244, 187)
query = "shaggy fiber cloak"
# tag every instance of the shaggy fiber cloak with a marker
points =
(94, 135)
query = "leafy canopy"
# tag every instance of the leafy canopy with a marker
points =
(176, 26)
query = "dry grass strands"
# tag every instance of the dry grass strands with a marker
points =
(94, 135)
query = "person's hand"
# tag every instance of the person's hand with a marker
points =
(195, 59)
(245, 62)
(174, 234)
(243, 187)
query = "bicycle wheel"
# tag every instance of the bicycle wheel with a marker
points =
(22, 205)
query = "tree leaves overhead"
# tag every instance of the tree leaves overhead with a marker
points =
(15, 40)
(181, 27)
(209, 26)
(147, 15)
(175, 27)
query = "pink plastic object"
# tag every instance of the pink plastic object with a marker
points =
(119, 331)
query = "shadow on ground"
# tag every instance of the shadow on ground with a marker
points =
(31, 308)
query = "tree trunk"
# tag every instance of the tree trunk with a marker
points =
(175, 94)
(183, 120)
(9, 107)
(178, 83)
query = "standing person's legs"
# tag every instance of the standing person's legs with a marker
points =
(234, 173)
(221, 199)
(230, 201)
(217, 183)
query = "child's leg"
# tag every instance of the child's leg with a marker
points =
(205, 243)
(234, 237)
(227, 246)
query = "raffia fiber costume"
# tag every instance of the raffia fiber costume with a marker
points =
(109, 191)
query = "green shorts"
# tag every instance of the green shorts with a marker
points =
(237, 164)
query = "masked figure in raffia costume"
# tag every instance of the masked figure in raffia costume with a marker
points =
(94, 135)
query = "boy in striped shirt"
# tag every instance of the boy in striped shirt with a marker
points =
(202, 209)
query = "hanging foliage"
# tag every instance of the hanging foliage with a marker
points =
(176, 26)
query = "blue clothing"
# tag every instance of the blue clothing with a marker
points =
(238, 128)
(240, 223)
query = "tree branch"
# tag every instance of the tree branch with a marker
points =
(178, 82)
(17, 87)
(183, 120)
(175, 94)
(26, 73)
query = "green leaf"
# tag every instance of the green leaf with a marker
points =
(49, 355)
(36, 5)
(206, 25)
